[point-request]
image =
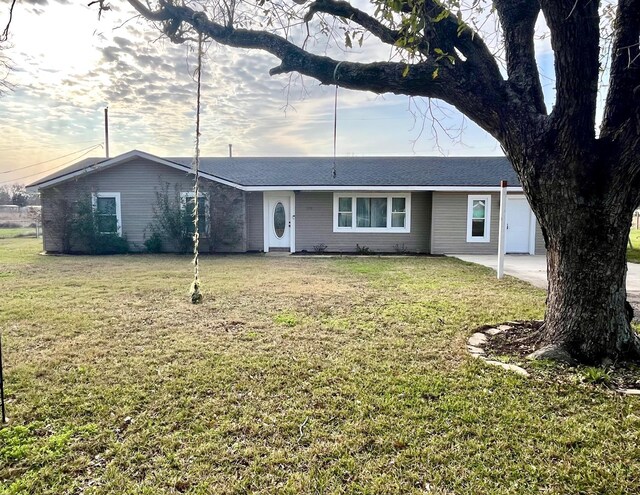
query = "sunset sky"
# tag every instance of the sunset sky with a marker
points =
(69, 65)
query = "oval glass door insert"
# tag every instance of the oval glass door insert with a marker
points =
(279, 220)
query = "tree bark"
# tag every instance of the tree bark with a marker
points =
(585, 221)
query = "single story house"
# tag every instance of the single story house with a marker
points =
(433, 205)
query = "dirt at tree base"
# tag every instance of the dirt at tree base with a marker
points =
(523, 338)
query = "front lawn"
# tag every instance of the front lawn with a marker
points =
(633, 253)
(295, 376)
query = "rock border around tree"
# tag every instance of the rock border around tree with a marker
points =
(479, 347)
(477, 341)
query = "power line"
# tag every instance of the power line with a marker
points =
(90, 148)
(57, 167)
(54, 145)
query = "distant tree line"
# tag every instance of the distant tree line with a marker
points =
(16, 194)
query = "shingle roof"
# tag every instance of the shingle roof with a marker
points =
(360, 171)
(74, 167)
(350, 171)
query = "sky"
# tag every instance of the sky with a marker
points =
(68, 66)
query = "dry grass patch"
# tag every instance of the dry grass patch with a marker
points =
(295, 375)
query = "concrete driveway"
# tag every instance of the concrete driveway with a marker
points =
(533, 269)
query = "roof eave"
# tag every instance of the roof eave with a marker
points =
(110, 162)
(416, 188)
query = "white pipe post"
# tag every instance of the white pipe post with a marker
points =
(503, 228)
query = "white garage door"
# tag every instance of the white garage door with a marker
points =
(519, 220)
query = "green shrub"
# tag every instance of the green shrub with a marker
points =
(154, 243)
(597, 376)
(110, 244)
(320, 248)
(171, 221)
(86, 235)
(363, 249)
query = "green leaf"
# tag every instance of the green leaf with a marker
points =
(434, 74)
(347, 40)
(405, 72)
(442, 15)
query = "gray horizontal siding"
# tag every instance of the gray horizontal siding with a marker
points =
(314, 225)
(137, 181)
(255, 221)
(449, 225)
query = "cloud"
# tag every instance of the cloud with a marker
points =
(66, 77)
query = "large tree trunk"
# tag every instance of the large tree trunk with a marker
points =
(585, 218)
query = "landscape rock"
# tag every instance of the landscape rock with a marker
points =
(509, 367)
(504, 327)
(475, 350)
(554, 353)
(493, 331)
(629, 391)
(477, 339)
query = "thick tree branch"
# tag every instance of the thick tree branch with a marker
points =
(345, 10)
(518, 19)
(450, 32)
(460, 85)
(575, 39)
(622, 110)
(446, 34)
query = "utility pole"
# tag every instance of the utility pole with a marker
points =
(106, 130)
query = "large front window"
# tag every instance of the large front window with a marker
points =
(355, 212)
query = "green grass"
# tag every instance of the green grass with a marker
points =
(633, 255)
(17, 232)
(295, 376)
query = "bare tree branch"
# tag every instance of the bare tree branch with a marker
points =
(5, 33)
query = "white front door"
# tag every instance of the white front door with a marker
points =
(278, 222)
(518, 224)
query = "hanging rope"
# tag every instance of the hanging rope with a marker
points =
(335, 121)
(196, 295)
(335, 132)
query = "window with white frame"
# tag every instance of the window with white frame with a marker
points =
(356, 212)
(188, 204)
(478, 218)
(107, 212)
